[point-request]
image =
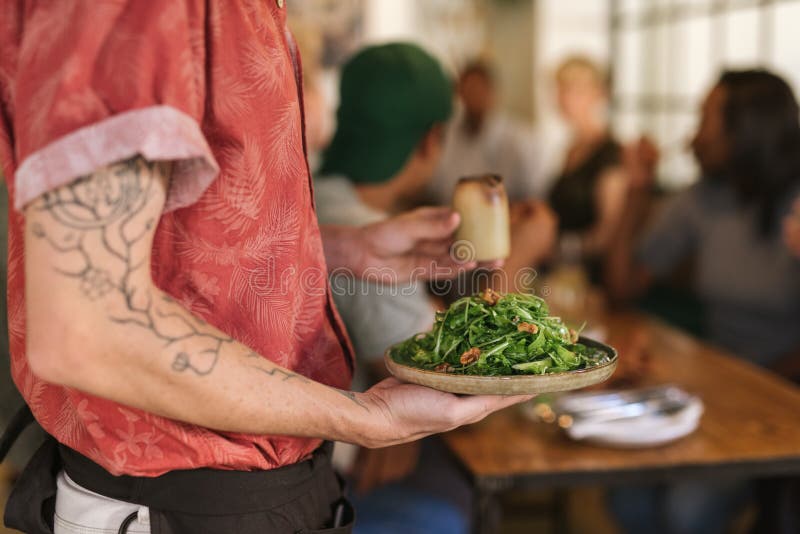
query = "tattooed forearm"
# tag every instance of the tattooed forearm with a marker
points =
(101, 228)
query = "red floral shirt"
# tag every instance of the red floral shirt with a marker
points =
(213, 86)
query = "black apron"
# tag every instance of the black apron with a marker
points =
(306, 497)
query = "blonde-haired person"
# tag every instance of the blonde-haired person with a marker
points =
(589, 194)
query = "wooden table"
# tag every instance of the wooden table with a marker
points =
(750, 427)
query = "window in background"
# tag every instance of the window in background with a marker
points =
(698, 69)
(665, 54)
(785, 53)
(742, 39)
(627, 72)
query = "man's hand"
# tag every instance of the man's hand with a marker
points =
(413, 246)
(402, 412)
(791, 229)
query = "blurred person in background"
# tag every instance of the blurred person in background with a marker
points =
(748, 148)
(588, 196)
(394, 102)
(480, 139)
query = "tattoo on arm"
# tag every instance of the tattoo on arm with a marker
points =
(288, 375)
(352, 396)
(274, 371)
(101, 227)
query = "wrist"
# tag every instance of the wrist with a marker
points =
(356, 419)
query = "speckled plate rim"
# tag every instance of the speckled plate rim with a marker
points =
(507, 385)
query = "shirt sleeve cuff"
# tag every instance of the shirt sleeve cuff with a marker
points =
(158, 133)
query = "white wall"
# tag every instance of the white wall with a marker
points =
(389, 20)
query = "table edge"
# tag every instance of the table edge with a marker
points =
(755, 468)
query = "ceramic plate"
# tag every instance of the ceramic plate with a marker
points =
(508, 385)
(631, 418)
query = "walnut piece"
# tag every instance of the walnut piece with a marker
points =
(490, 296)
(470, 356)
(527, 327)
(443, 368)
(573, 336)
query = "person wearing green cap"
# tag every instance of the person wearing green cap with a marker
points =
(395, 100)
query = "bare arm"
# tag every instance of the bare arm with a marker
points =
(97, 323)
(625, 278)
(534, 228)
(610, 198)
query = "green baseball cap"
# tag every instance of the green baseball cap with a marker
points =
(390, 96)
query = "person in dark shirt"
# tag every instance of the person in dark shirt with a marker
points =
(589, 194)
(729, 222)
(747, 276)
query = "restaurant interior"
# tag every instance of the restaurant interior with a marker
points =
(650, 152)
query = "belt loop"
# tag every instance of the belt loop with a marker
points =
(142, 515)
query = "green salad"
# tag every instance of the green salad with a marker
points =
(491, 334)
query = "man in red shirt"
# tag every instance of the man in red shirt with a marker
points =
(170, 318)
